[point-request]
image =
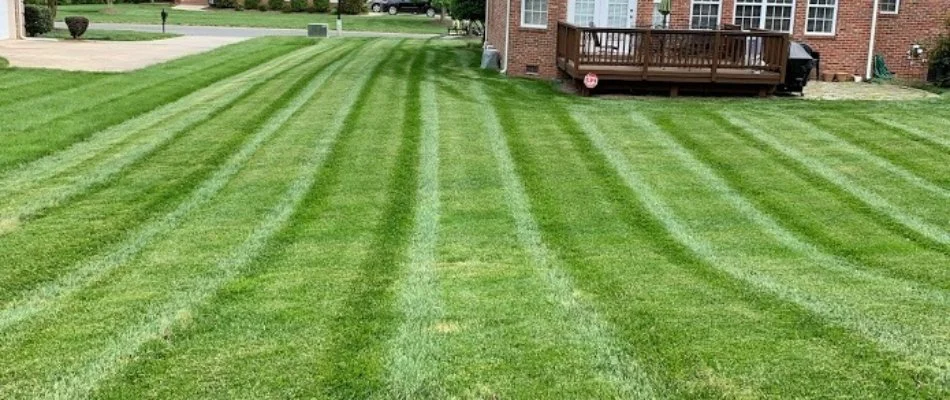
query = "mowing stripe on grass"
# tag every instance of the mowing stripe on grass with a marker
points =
(933, 139)
(50, 295)
(365, 321)
(412, 361)
(928, 352)
(909, 221)
(107, 138)
(819, 133)
(613, 365)
(165, 316)
(909, 290)
(128, 89)
(183, 114)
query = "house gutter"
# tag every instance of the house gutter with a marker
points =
(874, 13)
(504, 67)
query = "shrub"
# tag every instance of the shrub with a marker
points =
(940, 59)
(262, 7)
(275, 5)
(38, 20)
(287, 8)
(224, 4)
(77, 26)
(238, 7)
(352, 7)
(252, 4)
(321, 5)
(298, 5)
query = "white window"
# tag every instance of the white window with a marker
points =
(584, 12)
(534, 13)
(822, 15)
(773, 15)
(890, 6)
(705, 14)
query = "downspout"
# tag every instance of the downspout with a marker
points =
(18, 19)
(504, 67)
(874, 12)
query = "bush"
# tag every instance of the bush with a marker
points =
(77, 26)
(262, 7)
(238, 7)
(287, 8)
(321, 5)
(224, 4)
(38, 20)
(352, 7)
(940, 59)
(275, 5)
(298, 5)
(252, 4)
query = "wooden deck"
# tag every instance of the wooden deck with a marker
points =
(674, 57)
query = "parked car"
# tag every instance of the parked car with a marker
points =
(394, 7)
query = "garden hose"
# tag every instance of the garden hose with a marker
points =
(880, 68)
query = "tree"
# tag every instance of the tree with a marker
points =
(472, 10)
(53, 5)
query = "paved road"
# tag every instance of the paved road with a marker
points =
(221, 31)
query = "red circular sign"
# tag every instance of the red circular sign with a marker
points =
(590, 80)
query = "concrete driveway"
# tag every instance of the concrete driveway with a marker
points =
(90, 55)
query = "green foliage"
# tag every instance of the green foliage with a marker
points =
(940, 59)
(4, 63)
(353, 7)
(473, 10)
(252, 4)
(287, 8)
(224, 4)
(238, 6)
(262, 7)
(38, 20)
(77, 26)
(298, 5)
(275, 5)
(321, 6)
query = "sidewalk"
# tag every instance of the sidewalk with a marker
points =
(241, 32)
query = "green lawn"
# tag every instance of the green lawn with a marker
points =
(377, 219)
(121, 36)
(150, 14)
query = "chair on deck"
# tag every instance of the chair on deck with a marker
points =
(598, 45)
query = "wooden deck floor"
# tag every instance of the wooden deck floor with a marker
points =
(671, 74)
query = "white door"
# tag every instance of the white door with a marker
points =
(603, 13)
(5, 19)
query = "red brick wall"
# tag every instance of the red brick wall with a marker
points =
(918, 21)
(495, 25)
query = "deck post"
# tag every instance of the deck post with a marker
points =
(648, 54)
(717, 50)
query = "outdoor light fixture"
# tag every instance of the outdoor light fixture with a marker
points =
(164, 18)
(916, 51)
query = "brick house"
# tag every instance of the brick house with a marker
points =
(839, 29)
(11, 19)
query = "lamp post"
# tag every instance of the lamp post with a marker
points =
(339, 18)
(164, 17)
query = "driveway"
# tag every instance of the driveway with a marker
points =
(110, 56)
(107, 56)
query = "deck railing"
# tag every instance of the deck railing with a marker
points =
(681, 49)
